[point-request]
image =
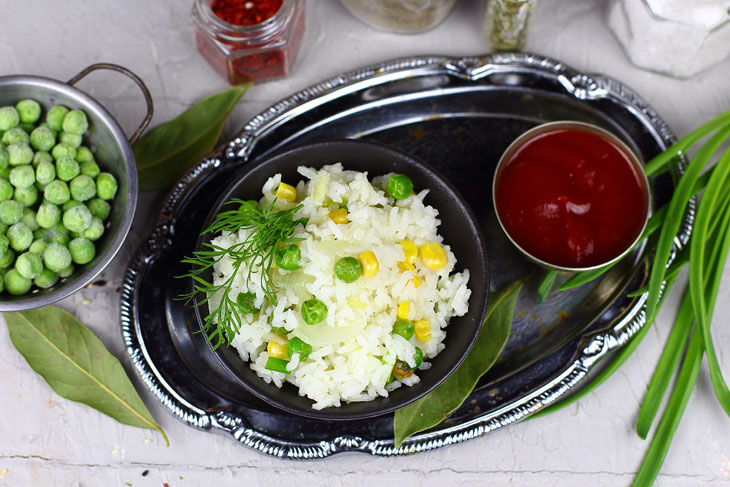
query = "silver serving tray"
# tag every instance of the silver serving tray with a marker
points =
(459, 114)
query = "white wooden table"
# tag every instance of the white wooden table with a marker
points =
(47, 440)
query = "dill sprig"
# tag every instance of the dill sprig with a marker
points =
(269, 228)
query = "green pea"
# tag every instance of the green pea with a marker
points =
(347, 269)
(82, 188)
(9, 118)
(288, 257)
(63, 150)
(279, 329)
(29, 265)
(48, 215)
(29, 111)
(99, 208)
(55, 116)
(26, 196)
(27, 127)
(314, 311)
(7, 258)
(89, 168)
(66, 271)
(277, 365)
(403, 328)
(11, 212)
(4, 243)
(5, 173)
(4, 158)
(42, 139)
(418, 357)
(67, 168)
(6, 190)
(70, 204)
(45, 172)
(42, 156)
(38, 246)
(77, 219)
(71, 140)
(20, 236)
(247, 303)
(57, 192)
(84, 154)
(15, 283)
(56, 257)
(22, 176)
(19, 154)
(106, 186)
(29, 218)
(46, 279)
(82, 250)
(297, 345)
(16, 135)
(399, 186)
(94, 230)
(75, 122)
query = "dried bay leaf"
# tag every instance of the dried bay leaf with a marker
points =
(437, 405)
(75, 363)
(164, 153)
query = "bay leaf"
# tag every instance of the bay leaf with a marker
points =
(437, 405)
(75, 363)
(164, 153)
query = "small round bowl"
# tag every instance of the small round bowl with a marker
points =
(459, 229)
(552, 127)
(113, 153)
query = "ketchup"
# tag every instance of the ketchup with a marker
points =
(571, 198)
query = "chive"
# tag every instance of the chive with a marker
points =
(277, 365)
(546, 285)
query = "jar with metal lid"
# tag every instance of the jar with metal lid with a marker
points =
(402, 16)
(249, 40)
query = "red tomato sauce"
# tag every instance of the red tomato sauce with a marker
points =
(571, 198)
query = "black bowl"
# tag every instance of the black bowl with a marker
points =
(458, 227)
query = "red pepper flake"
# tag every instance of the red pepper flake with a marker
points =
(245, 12)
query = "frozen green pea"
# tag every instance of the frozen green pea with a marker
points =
(94, 230)
(42, 139)
(67, 168)
(16, 135)
(84, 154)
(71, 140)
(6, 190)
(29, 111)
(4, 158)
(82, 250)
(60, 229)
(41, 156)
(75, 122)
(45, 125)
(55, 116)
(4, 243)
(48, 215)
(19, 154)
(70, 204)
(29, 265)
(27, 196)
(56, 257)
(29, 219)
(45, 172)
(16, 284)
(38, 246)
(7, 257)
(57, 192)
(106, 186)
(66, 271)
(9, 118)
(5, 173)
(26, 127)
(60, 239)
(46, 279)
(77, 219)
(3, 228)
(19, 236)
(82, 188)
(22, 176)
(63, 150)
(11, 212)
(99, 208)
(89, 168)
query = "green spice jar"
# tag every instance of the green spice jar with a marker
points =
(506, 23)
(403, 16)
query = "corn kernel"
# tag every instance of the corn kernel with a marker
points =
(355, 303)
(403, 309)
(339, 216)
(405, 266)
(277, 350)
(416, 280)
(434, 256)
(409, 250)
(369, 263)
(286, 192)
(422, 329)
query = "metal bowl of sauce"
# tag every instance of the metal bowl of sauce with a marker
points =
(571, 196)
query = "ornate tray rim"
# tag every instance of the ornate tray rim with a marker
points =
(595, 347)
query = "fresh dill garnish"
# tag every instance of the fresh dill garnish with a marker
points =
(269, 229)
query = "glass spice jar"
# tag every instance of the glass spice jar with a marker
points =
(253, 52)
(506, 23)
(401, 16)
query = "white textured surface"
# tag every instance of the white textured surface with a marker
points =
(46, 440)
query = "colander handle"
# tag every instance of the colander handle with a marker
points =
(133, 77)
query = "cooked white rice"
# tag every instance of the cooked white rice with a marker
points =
(354, 349)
